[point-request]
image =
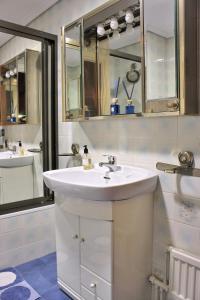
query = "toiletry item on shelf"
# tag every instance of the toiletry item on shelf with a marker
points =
(130, 108)
(21, 149)
(116, 87)
(87, 161)
(114, 107)
(13, 118)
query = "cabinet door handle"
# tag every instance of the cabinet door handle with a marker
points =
(82, 240)
(75, 237)
(93, 285)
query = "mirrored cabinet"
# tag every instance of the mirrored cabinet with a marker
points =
(131, 58)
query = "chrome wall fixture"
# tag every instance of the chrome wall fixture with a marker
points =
(186, 159)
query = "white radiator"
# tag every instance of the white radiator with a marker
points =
(184, 276)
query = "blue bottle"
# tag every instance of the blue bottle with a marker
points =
(130, 108)
(114, 107)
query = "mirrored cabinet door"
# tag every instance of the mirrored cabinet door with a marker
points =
(120, 59)
(73, 100)
(161, 59)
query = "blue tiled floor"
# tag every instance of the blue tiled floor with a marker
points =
(41, 274)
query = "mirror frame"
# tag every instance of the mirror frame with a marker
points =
(188, 100)
(49, 108)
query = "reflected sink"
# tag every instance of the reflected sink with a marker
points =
(10, 160)
(91, 184)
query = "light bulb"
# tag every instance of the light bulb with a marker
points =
(12, 73)
(100, 29)
(129, 16)
(114, 23)
(7, 75)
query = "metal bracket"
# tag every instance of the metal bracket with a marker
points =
(186, 159)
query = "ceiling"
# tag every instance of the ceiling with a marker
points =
(21, 12)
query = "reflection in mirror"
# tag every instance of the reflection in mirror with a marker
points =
(21, 163)
(73, 78)
(160, 50)
(106, 66)
(125, 66)
(115, 36)
(90, 74)
(20, 81)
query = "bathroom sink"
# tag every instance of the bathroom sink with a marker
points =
(91, 184)
(10, 160)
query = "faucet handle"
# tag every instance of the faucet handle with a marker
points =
(111, 159)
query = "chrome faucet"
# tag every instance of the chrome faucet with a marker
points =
(111, 164)
(13, 149)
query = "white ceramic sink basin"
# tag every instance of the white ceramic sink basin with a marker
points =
(10, 160)
(91, 185)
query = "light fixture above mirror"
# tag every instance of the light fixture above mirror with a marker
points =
(122, 21)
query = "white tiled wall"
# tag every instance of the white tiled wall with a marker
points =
(140, 142)
(29, 134)
(160, 59)
(26, 235)
(143, 142)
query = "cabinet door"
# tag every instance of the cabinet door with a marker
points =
(96, 246)
(68, 249)
(17, 183)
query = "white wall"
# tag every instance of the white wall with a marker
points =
(16, 46)
(140, 142)
(160, 66)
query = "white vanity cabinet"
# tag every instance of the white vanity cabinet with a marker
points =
(16, 184)
(104, 248)
(68, 249)
(84, 255)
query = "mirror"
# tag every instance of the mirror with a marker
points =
(102, 66)
(161, 59)
(21, 163)
(136, 59)
(73, 76)
(120, 58)
(21, 84)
